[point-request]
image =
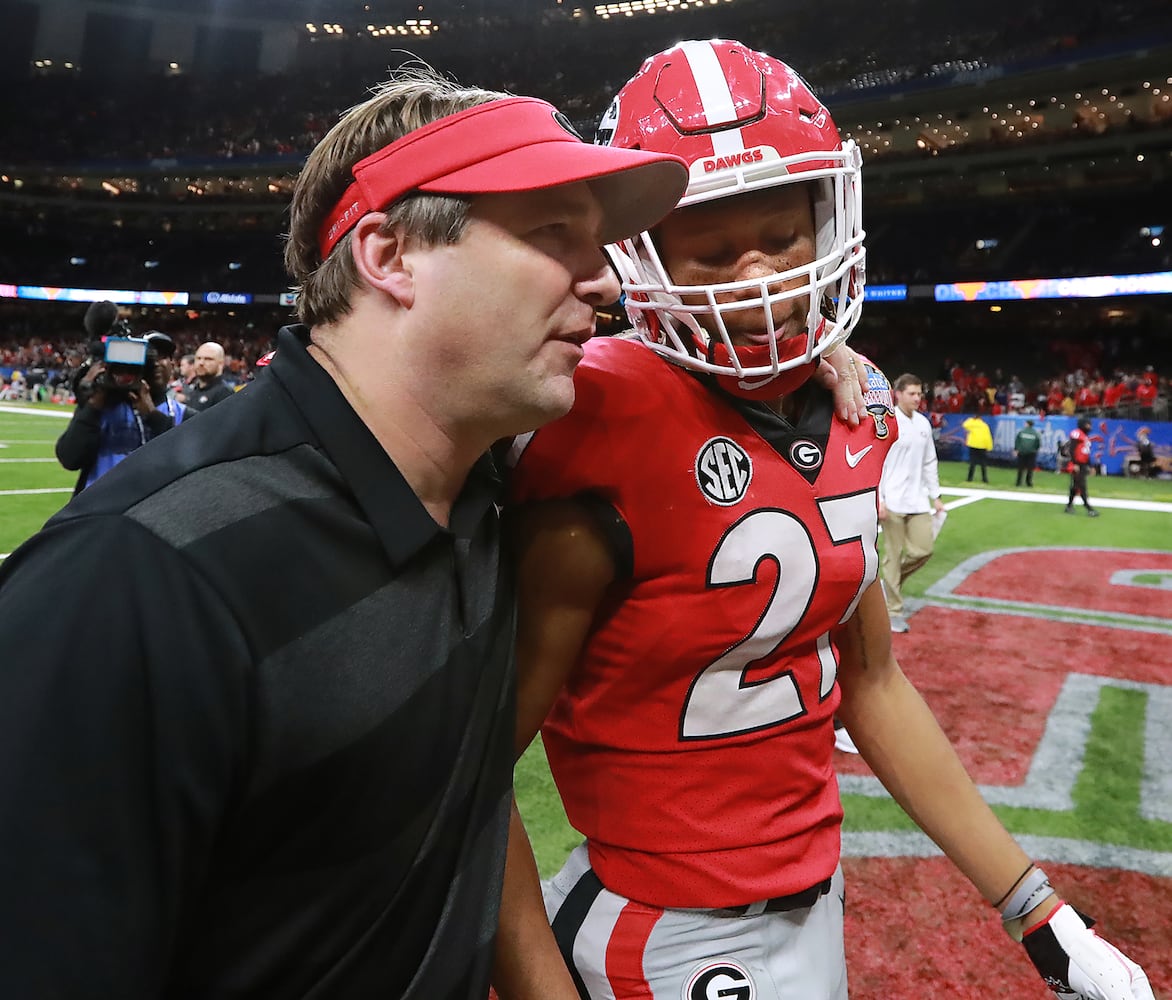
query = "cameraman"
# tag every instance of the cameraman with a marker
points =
(117, 414)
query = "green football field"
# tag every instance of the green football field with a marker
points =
(1042, 641)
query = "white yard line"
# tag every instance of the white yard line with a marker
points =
(30, 411)
(970, 496)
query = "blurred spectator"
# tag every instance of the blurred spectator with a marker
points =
(1025, 447)
(208, 388)
(909, 491)
(1146, 452)
(979, 440)
(181, 384)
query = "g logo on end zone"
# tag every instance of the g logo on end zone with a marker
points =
(723, 471)
(723, 979)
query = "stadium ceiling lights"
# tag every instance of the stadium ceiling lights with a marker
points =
(412, 26)
(633, 7)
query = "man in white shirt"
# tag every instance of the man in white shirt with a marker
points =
(909, 492)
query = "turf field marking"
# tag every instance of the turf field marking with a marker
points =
(1107, 503)
(1088, 854)
(29, 411)
(1061, 752)
(1155, 790)
(19, 461)
(1155, 579)
(29, 493)
(943, 594)
(962, 502)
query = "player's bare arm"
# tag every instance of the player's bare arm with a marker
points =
(564, 567)
(900, 739)
(528, 964)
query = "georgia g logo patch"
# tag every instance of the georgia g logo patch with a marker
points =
(723, 471)
(805, 454)
(720, 979)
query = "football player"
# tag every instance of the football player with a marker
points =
(1079, 466)
(696, 550)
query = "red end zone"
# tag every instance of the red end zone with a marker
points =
(992, 679)
(1076, 578)
(915, 928)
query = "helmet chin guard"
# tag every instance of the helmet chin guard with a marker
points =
(743, 122)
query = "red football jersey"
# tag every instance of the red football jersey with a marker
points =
(1080, 446)
(692, 744)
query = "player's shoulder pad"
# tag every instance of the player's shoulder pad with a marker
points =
(618, 384)
(623, 364)
(618, 380)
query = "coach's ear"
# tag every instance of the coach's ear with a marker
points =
(380, 258)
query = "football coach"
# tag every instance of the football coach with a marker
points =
(256, 700)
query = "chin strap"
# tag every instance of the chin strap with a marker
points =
(770, 386)
(763, 387)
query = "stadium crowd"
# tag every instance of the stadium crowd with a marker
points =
(68, 117)
(1088, 376)
(74, 118)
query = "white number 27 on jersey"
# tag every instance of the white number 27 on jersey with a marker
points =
(720, 702)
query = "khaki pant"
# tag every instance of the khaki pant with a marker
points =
(907, 545)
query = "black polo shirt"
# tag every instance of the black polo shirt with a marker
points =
(200, 398)
(256, 719)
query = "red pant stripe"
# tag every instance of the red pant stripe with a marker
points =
(624, 951)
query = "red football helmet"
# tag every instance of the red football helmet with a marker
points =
(743, 121)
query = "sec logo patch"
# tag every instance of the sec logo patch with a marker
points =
(723, 471)
(720, 979)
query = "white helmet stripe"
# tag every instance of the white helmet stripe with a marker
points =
(715, 97)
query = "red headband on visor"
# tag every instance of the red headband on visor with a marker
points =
(511, 144)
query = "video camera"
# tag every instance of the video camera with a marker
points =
(127, 362)
(127, 359)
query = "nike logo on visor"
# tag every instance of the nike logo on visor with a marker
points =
(853, 458)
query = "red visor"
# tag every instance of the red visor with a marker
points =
(512, 144)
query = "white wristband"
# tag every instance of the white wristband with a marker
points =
(1033, 889)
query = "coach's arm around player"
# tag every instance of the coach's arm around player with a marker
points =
(900, 739)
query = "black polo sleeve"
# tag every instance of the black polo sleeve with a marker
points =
(123, 716)
(77, 447)
(158, 422)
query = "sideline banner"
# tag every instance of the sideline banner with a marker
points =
(1112, 441)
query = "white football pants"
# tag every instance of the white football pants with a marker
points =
(619, 949)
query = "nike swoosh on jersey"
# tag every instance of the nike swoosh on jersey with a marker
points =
(854, 458)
